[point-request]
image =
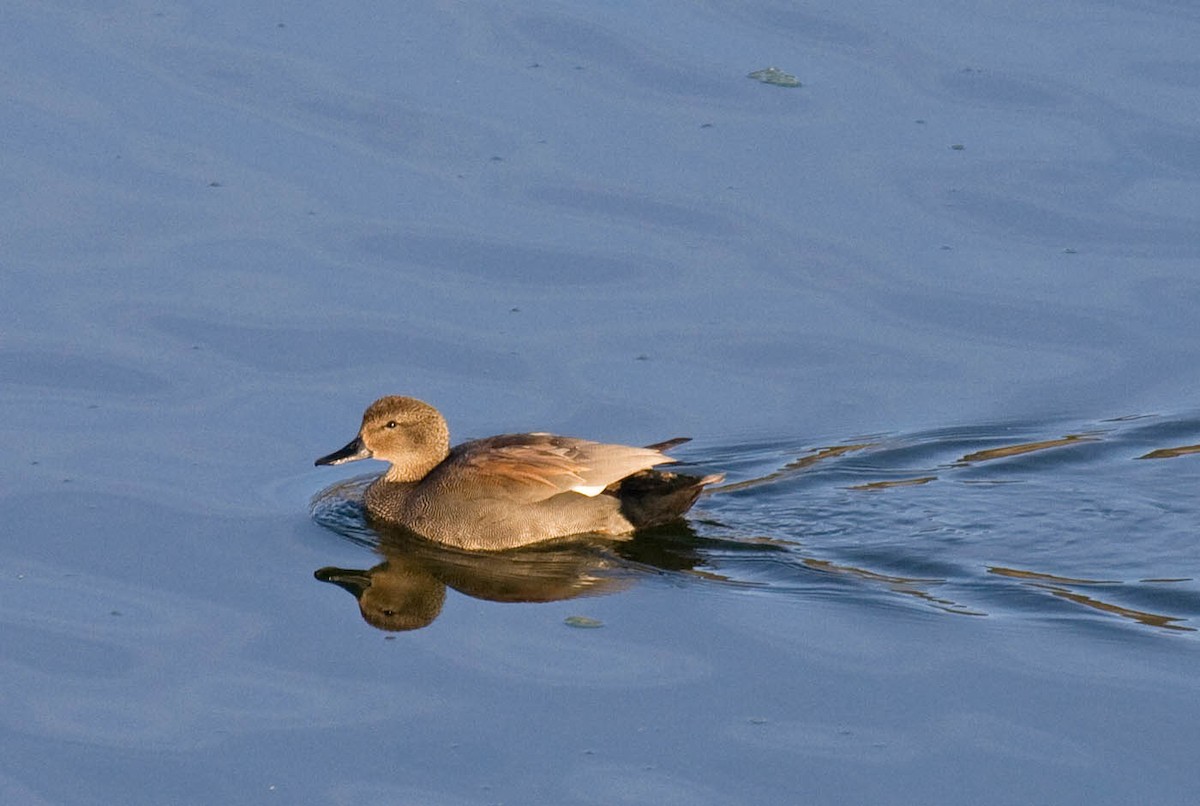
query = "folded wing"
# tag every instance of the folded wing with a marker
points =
(533, 467)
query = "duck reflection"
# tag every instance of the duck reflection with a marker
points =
(407, 589)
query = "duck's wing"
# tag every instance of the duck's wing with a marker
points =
(533, 467)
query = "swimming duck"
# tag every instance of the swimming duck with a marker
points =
(514, 489)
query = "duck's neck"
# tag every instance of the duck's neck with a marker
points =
(414, 468)
(426, 452)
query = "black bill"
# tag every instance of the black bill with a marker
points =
(352, 452)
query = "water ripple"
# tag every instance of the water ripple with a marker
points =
(1065, 521)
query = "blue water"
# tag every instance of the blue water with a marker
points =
(996, 520)
(933, 312)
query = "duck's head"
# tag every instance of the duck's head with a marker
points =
(408, 433)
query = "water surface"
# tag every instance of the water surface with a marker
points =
(933, 312)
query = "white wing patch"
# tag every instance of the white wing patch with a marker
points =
(590, 492)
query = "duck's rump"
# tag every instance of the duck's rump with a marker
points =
(654, 497)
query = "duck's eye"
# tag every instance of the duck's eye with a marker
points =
(391, 424)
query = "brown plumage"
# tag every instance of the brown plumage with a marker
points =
(510, 490)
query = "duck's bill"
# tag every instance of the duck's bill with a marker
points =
(354, 451)
(345, 578)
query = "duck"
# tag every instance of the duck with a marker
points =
(511, 490)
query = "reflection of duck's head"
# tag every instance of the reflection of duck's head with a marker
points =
(408, 589)
(391, 596)
(408, 433)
